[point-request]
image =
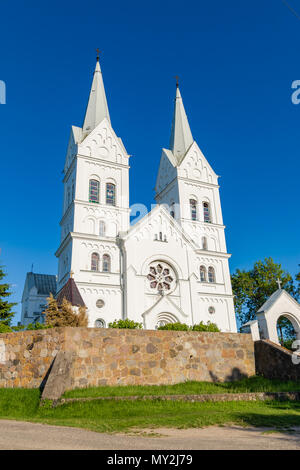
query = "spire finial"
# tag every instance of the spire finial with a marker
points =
(279, 282)
(98, 53)
(71, 274)
(177, 81)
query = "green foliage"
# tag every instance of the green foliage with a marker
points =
(6, 313)
(4, 328)
(208, 327)
(252, 288)
(38, 326)
(128, 324)
(31, 326)
(175, 327)
(245, 385)
(183, 327)
(18, 328)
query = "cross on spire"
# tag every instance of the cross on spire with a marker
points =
(98, 54)
(177, 81)
(279, 282)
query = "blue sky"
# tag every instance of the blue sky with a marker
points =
(236, 62)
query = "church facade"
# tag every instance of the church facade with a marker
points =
(172, 265)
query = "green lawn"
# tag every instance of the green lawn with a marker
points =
(252, 384)
(111, 416)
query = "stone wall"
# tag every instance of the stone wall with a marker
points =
(122, 357)
(274, 362)
(25, 357)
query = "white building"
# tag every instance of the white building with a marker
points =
(170, 266)
(34, 299)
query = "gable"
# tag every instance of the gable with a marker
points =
(280, 300)
(166, 171)
(75, 137)
(103, 143)
(158, 220)
(195, 166)
(165, 304)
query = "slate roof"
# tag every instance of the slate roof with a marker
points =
(45, 283)
(71, 293)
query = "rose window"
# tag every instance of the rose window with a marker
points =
(161, 277)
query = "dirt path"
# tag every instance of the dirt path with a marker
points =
(23, 435)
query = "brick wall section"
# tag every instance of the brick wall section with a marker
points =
(123, 357)
(274, 362)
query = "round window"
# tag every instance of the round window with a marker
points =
(100, 303)
(211, 310)
(100, 323)
(161, 277)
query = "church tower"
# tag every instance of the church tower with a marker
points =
(188, 186)
(95, 209)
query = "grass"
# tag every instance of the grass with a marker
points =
(252, 384)
(112, 416)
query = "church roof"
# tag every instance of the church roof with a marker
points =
(45, 283)
(273, 299)
(71, 293)
(181, 135)
(97, 108)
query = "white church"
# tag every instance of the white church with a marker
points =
(172, 265)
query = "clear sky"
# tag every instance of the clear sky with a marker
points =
(236, 62)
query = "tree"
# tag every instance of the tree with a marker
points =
(64, 315)
(5, 307)
(252, 288)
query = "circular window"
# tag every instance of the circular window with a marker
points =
(161, 277)
(100, 303)
(100, 323)
(211, 310)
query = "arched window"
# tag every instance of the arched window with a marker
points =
(106, 263)
(102, 228)
(95, 262)
(94, 188)
(206, 212)
(110, 194)
(193, 208)
(202, 273)
(211, 274)
(204, 243)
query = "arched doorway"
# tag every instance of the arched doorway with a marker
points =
(164, 318)
(288, 330)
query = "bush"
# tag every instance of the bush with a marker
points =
(183, 327)
(129, 324)
(4, 328)
(209, 327)
(175, 327)
(38, 326)
(31, 326)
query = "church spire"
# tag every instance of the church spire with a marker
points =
(181, 136)
(97, 108)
